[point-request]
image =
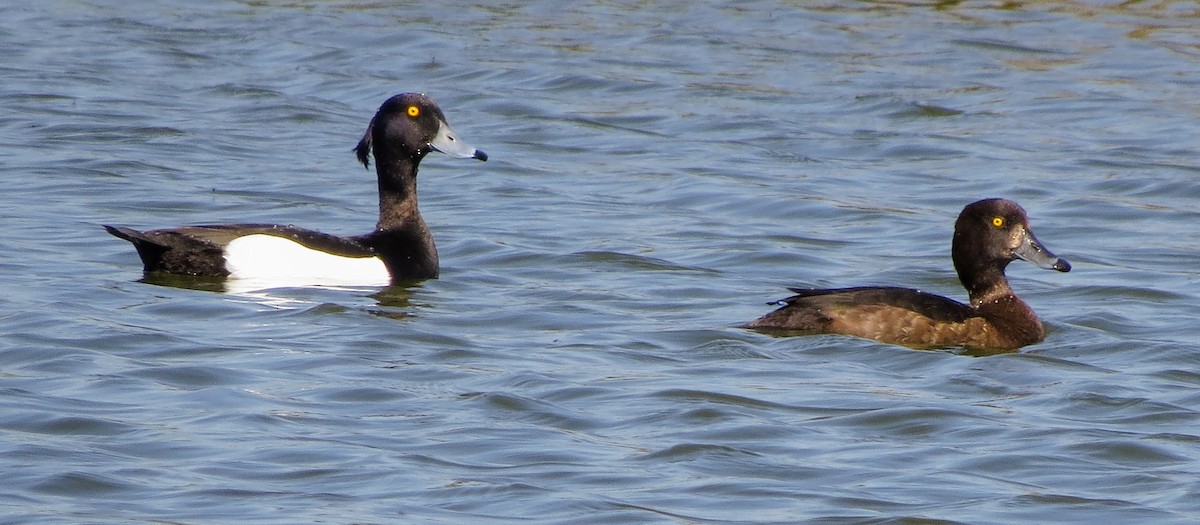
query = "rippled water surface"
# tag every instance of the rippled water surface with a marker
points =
(659, 171)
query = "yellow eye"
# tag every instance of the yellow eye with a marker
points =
(998, 222)
(414, 111)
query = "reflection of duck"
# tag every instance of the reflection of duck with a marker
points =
(406, 128)
(987, 236)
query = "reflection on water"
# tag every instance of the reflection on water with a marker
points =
(659, 173)
(190, 282)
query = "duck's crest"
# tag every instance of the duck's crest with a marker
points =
(363, 149)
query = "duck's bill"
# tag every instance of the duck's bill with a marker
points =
(1032, 251)
(446, 141)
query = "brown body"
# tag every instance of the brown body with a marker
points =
(988, 235)
(907, 317)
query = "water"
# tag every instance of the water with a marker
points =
(658, 172)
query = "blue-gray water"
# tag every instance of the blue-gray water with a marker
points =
(659, 171)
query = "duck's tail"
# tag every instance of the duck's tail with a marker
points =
(148, 249)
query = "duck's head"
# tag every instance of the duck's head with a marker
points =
(991, 233)
(411, 125)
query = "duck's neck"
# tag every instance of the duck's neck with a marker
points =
(984, 283)
(993, 298)
(397, 192)
(401, 237)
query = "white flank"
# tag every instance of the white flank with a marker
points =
(266, 261)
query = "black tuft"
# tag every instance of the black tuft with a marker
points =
(363, 149)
